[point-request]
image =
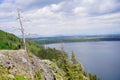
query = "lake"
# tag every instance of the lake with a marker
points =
(100, 58)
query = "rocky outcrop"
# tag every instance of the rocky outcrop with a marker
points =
(17, 62)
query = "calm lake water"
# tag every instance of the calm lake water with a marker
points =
(100, 58)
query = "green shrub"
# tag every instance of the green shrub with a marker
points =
(38, 75)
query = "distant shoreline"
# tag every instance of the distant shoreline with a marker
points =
(69, 40)
(78, 41)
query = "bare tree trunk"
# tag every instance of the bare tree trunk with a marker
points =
(22, 29)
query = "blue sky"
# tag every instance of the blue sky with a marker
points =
(61, 17)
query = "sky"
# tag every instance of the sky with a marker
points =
(61, 17)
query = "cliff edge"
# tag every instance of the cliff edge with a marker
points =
(18, 63)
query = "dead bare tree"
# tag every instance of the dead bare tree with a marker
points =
(22, 29)
(62, 49)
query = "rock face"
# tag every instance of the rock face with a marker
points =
(17, 62)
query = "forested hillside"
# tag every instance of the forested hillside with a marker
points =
(9, 41)
(66, 39)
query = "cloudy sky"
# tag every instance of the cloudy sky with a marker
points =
(61, 17)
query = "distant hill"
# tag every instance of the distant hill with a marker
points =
(9, 41)
(83, 38)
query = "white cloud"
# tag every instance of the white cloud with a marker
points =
(107, 6)
(68, 17)
(88, 1)
(80, 11)
(55, 7)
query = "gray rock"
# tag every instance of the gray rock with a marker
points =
(17, 62)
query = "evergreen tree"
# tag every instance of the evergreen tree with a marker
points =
(73, 58)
